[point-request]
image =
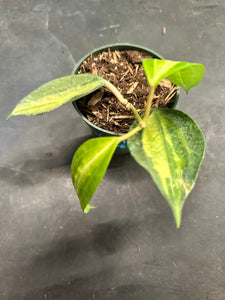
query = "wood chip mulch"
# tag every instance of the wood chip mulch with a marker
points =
(124, 70)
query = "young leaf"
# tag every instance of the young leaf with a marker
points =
(183, 74)
(171, 148)
(89, 166)
(56, 93)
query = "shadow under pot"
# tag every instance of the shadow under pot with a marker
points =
(121, 64)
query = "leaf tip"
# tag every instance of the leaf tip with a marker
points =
(87, 208)
(178, 225)
(9, 116)
(177, 213)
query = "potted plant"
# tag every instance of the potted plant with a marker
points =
(164, 141)
(122, 58)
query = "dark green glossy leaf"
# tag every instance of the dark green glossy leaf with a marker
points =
(183, 74)
(89, 166)
(56, 93)
(171, 149)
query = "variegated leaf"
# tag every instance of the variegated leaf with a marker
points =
(89, 166)
(171, 149)
(56, 93)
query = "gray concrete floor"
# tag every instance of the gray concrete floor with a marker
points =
(127, 248)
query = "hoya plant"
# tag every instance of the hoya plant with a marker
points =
(166, 142)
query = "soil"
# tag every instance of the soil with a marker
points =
(124, 70)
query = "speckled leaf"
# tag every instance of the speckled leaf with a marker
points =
(89, 166)
(171, 149)
(56, 93)
(183, 74)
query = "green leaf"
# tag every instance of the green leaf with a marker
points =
(183, 74)
(89, 166)
(135, 147)
(56, 93)
(171, 148)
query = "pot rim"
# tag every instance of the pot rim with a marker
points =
(115, 46)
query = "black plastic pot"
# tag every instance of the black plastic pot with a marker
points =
(122, 147)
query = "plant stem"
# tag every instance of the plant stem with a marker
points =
(119, 96)
(137, 116)
(149, 103)
(128, 105)
(130, 133)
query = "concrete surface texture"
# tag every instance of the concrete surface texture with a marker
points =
(128, 247)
